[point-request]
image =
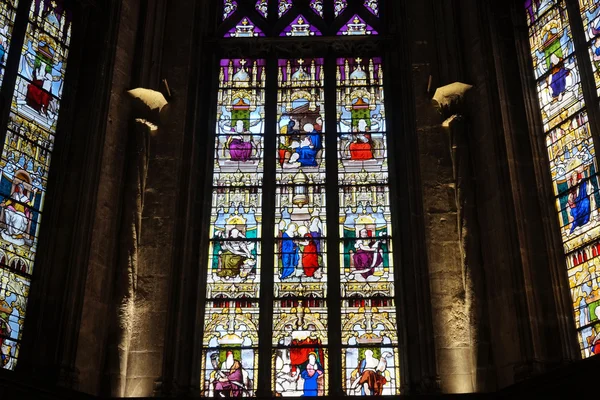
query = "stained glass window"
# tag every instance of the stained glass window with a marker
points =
(233, 275)
(300, 330)
(369, 331)
(8, 11)
(571, 149)
(229, 7)
(297, 262)
(26, 155)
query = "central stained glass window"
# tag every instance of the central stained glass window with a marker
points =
(322, 252)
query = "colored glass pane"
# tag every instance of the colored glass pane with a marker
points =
(536, 8)
(26, 156)
(229, 7)
(356, 26)
(283, 7)
(262, 6)
(300, 359)
(555, 65)
(590, 14)
(245, 29)
(300, 276)
(234, 259)
(369, 332)
(339, 6)
(372, 6)
(317, 7)
(7, 19)
(300, 27)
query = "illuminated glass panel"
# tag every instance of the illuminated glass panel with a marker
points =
(356, 26)
(229, 7)
(8, 10)
(339, 6)
(262, 6)
(25, 161)
(234, 260)
(300, 276)
(370, 356)
(590, 13)
(283, 7)
(571, 151)
(245, 29)
(317, 7)
(372, 6)
(555, 65)
(300, 359)
(300, 27)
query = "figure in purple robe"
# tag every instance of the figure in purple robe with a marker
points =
(232, 384)
(368, 255)
(239, 149)
(558, 82)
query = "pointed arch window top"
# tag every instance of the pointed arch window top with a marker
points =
(229, 7)
(317, 6)
(245, 28)
(372, 6)
(357, 26)
(262, 6)
(300, 27)
(283, 7)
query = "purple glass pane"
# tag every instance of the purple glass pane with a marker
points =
(300, 27)
(356, 27)
(372, 6)
(339, 6)
(262, 6)
(245, 28)
(283, 7)
(317, 6)
(229, 7)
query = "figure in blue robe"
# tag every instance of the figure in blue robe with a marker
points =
(307, 156)
(580, 207)
(289, 254)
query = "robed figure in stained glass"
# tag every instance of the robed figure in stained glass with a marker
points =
(579, 201)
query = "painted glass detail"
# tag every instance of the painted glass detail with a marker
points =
(229, 7)
(300, 276)
(357, 26)
(230, 343)
(245, 29)
(25, 161)
(300, 27)
(571, 153)
(8, 10)
(370, 355)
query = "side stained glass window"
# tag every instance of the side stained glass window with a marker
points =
(370, 356)
(25, 161)
(233, 276)
(571, 150)
(8, 11)
(590, 13)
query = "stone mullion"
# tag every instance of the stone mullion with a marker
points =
(268, 241)
(333, 230)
